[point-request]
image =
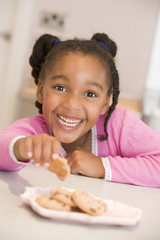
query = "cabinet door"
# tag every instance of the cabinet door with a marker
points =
(6, 15)
(14, 38)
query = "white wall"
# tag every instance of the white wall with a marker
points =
(151, 100)
(19, 21)
(131, 23)
(6, 20)
(153, 76)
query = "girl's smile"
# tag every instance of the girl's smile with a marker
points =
(67, 122)
(73, 94)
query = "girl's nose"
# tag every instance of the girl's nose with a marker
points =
(72, 102)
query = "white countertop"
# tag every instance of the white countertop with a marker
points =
(19, 222)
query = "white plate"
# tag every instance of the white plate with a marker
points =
(117, 213)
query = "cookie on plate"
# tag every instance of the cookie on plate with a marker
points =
(60, 167)
(88, 203)
(62, 195)
(46, 202)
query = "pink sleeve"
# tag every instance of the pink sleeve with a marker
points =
(6, 160)
(138, 161)
(23, 127)
(142, 171)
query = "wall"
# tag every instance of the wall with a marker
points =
(131, 23)
(151, 99)
(17, 20)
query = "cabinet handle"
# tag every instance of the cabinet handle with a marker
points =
(6, 36)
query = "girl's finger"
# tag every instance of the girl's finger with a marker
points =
(26, 148)
(61, 178)
(55, 149)
(70, 159)
(37, 150)
(46, 164)
(29, 154)
(37, 165)
(46, 151)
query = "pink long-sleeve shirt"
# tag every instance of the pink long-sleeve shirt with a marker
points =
(131, 154)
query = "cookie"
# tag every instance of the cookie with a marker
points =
(60, 167)
(88, 203)
(46, 202)
(62, 195)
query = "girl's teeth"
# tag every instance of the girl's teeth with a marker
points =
(68, 122)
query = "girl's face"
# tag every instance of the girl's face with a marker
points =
(73, 94)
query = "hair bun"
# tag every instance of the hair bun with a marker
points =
(39, 52)
(111, 45)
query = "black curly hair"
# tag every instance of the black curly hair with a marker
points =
(48, 49)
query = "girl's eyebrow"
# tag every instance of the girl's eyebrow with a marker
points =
(90, 83)
(60, 76)
(95, 84)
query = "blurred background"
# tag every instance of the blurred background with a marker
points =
(133, 24)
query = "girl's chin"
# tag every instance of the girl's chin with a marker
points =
(66, 140)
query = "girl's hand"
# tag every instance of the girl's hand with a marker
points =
(41, 148)
(85, 163)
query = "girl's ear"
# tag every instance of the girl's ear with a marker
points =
(105, 106)
(39, 93)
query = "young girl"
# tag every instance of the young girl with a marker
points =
(76, 79)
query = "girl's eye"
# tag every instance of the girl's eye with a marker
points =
(90, 94)
(60, 88)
